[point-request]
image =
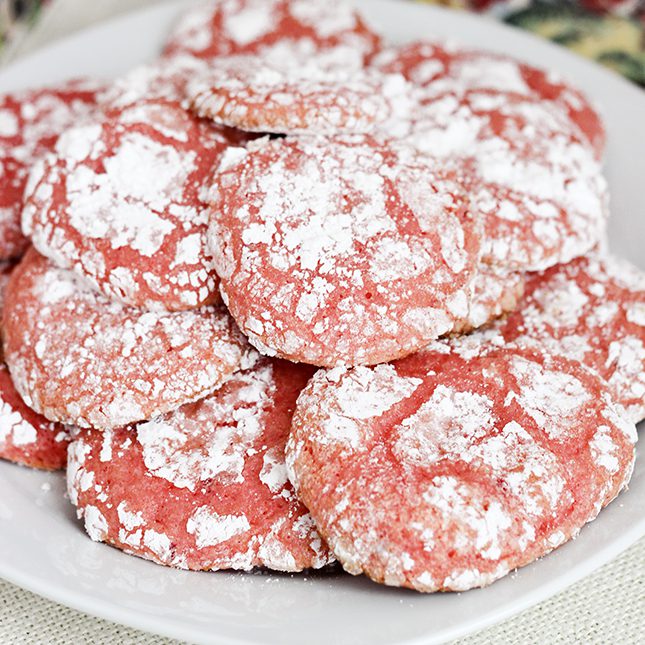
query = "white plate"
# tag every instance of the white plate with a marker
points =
(44, 549)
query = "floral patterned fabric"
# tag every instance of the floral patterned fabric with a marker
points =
(16, 16)
(612, 32)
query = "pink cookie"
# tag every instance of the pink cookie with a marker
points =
(531, 174)
(119, 203)
(80, 359)
(26, 437)
(295, 97)
(443, 472)
(591, 310)
(441, 69)
(328, 29)
(30, 122)
(204, 487)
(5, 272)
(341, 251)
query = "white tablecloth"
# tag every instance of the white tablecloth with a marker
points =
(607, 607)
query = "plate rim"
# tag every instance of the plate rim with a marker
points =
(139, 621)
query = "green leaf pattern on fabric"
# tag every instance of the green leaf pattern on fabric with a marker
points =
(611, 32)
(16, 16)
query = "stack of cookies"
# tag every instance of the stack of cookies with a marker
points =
(291, 295)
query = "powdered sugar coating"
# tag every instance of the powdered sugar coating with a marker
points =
(298, 97)
(330, 30)
(80, 359)
(341, 251)
(30, 122)
(26, 437)
(203, 487)
(119, 204)
(531, 173)
(492, 294)
(441, 68)
(164, 78)
(591, 310)
(470, 468)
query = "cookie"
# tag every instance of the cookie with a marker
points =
(27, 438)
(340, 251)
(295, 97)
(542, 200)
(531, 175)
(30, 122)
(443, 472)
(591, 310)
(119, 203)
(204, 487)
(5, 272)
(330, 30)
(80, 359)
(441, 68)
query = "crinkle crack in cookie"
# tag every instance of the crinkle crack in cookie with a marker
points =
(446, 472)
(340, 251)
(119, 203)
(591, 310)
(330, 30)
(492, 294)
(30, 122)
(299, 97)
(204, 487)
(26, 437)
(83, 360)
(531, 174)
